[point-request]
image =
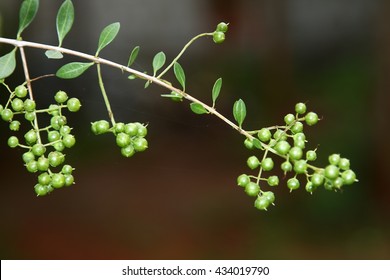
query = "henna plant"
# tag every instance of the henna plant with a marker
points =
(45, 145)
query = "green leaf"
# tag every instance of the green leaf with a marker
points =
(198, 108)
(52, 54)
(239, 112)
(216, 90)
(108, 35)
(7, 64)
(73, 70)
(133, 56)
(158, 62)
(27, 12)
(179, 73)
(65, 17)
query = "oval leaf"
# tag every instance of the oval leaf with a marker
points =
(180, 76)
(239, 112)
(27, 12)
(65, 18)
(7, 65)
(216, 90)
(158, 62)
(198, 108)
(108, 35)
(133, 56)
(73, 70)
(52, 54)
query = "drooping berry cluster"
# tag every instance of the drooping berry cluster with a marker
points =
(130, 137)
(288, 141)
(44, 146)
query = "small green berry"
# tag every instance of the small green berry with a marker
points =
(300, 108)
(21, 91)
(293, 184)
(140, 144)
(57, 180)
(289, 119)
(273, 181)
(282, 147)
(142, 131)
(29, 116)
(61, 97)
(317, 179)
(100, 127)
(349, 177)
(40, 190)
(310, 187)
(267, 164)
(262, 203)
(218, 37)
(53, 136)
(222, 27)
(32, 166)
(344, 164)
(14, 125)
(29, 105)
(7, 115)
(73, 104)
(56, 158)
(131, 129)
(119, 127)
(123, 140)
(243, 180)
(295, 153)
(297, 127)
(311, 155)
(44, 179)
(286, 166)
(28, 156)
(300, 166)
(248, 143)
(253, 162)
(13, 142)
(69, 180)
(17, 105)
(311, 118)
(331, 172)
(334, 159)
(43, 163)
(38, 149)
(69, 140)
(264, 135)
(252, 189)
(67, 169)
(31, 137)
(128, 151)
(270, 196)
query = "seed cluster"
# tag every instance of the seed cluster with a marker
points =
(288, 141)
(44, 146)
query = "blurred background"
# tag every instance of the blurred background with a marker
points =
(179, 199)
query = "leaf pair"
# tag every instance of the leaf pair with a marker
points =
(75, 69)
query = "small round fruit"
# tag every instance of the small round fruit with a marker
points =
(119, 127)
(300, 108)
(295, 153)
(67, 169)
(59, 146)
(349, 177)
(253, 162)
(282, 147)
(31, 137)
(311, 118)
(57, 180)
(297, 127)
(131, 129)
(300, 166)
(38, 149)
(65, 130)
(344, 164)
(310, 188)
(252, 189)
(243, 180)
(286, 166)
(123, 140)
(334, 159)
(29, 105)
(222, 27)
(262, 203)
(28, 156)
(53, 136)
(128, 151)
(218, 37)
(273, 181)
(32, 166)
(56, 158)
(140, 144)
(264, 135)
(43, 163)
(69, 141)
(73, 104)
(270, 196)
(142, 131)
(331, 172)
(289, 119)
(17, 105)
(248, 143)
(311, 155)
(61, 97)
(267, 164)
(317, 179)
(21, 91)
(293, 184)
(44, 179)
(7, 115)
(40, 190)
(29, 116)
(14, 125)
(100, 127)
(69, 180)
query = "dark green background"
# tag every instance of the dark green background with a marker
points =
(179, 200)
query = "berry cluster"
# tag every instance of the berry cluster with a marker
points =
(43, 155)
(288, 142)
(130, 137)
(219, 33)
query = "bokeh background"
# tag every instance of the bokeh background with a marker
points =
(179, 200)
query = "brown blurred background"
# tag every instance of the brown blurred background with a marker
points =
(179, 200)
